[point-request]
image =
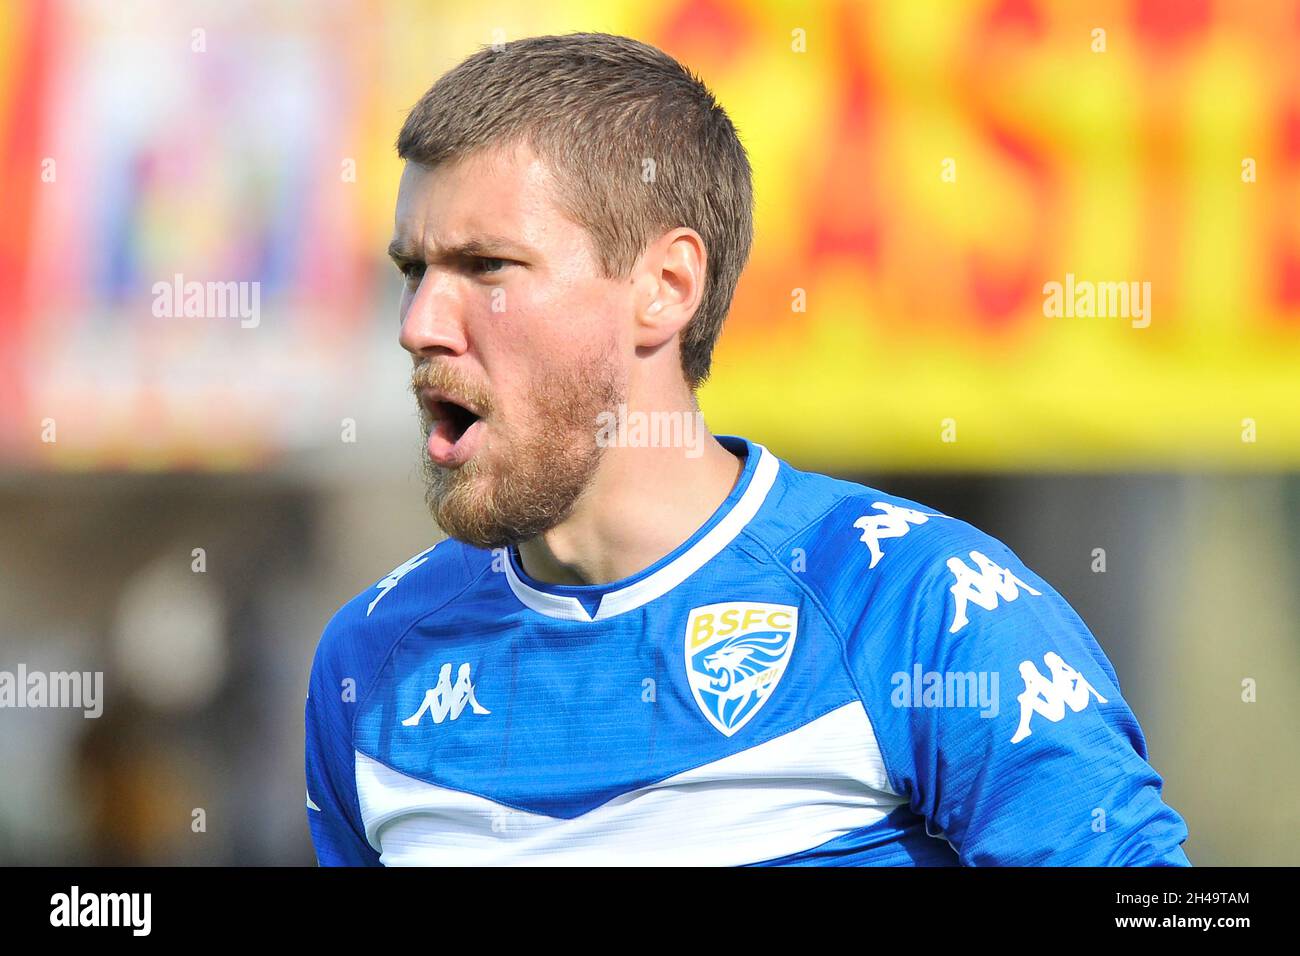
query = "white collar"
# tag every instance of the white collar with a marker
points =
(568, 608)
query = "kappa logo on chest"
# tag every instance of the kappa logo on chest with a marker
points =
(447, 700)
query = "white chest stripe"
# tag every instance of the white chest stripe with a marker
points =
(818, 782)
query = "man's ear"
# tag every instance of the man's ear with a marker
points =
(670, 284)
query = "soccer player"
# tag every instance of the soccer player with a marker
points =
(643, 643)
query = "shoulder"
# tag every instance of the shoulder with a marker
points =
(908, 587)
(849, 542)
(361, 633)
(898, 576)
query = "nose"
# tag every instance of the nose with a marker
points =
(433, 318)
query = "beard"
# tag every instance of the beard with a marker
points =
(542, 466)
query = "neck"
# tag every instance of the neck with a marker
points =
(640, 506)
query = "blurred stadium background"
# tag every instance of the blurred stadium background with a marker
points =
(922, 169)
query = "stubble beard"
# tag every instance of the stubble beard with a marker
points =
(525, 480)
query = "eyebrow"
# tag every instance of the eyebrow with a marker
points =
(475, 247)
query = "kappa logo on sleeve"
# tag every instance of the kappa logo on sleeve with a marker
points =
(736, 654)
(395, 575)
(892, 522)
(984, 584)
(1049, 698)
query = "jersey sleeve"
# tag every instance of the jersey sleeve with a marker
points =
(1005, 725)
(333, 810)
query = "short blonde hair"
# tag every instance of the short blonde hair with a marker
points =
(637, 143)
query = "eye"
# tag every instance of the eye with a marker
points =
(484, 264)
(412, 270)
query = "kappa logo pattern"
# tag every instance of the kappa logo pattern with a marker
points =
(395, 575)
(1049, 698)
(892, 522)
(448, 701)
(736, 654)
(983, 584)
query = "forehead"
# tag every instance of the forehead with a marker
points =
(498, 190)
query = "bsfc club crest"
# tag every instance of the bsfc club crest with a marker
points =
(736, 652)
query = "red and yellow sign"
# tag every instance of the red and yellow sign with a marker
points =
(940, 187)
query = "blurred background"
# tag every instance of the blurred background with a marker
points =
(185, 501)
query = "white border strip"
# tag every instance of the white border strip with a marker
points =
(568, 608)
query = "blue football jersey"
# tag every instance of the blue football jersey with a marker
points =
(823, 674)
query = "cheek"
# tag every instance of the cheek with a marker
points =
(585, 315)
(542, 326)
(546, 328)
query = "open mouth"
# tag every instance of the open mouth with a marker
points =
(454, 419)
(454, 435)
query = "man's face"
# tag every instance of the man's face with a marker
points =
(518, 343)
